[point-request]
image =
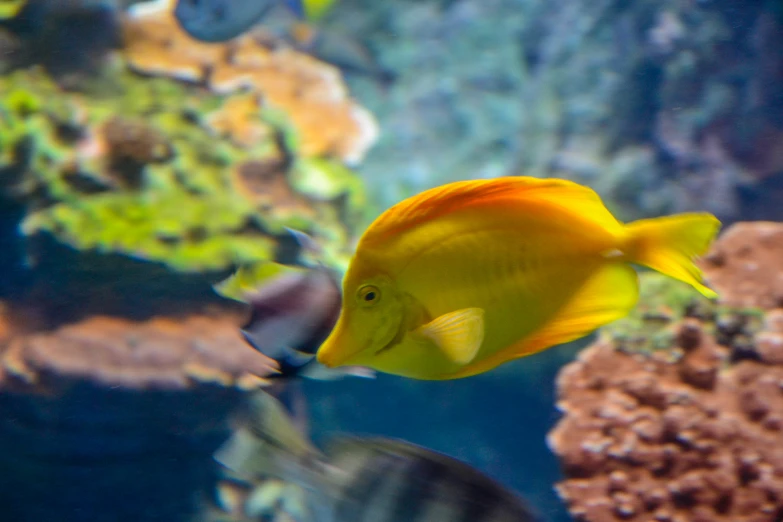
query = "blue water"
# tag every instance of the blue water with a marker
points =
(496, 422)
(660, 106)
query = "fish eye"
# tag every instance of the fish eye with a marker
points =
(369, 295)
(219, 10)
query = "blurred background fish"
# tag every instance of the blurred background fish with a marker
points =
(365, 479)
(293, 307)
(292, 314)
(221, 20)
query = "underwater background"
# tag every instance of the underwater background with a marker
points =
(140, 166)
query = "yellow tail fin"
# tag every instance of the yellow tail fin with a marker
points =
(670, 244)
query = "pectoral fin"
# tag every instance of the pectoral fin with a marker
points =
(458, 334)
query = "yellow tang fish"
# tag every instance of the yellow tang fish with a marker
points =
(467, 276)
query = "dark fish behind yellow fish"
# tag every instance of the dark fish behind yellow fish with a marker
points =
(293, 304)
(221, 20)
(384, 480)
(367, 479)
(292, 311)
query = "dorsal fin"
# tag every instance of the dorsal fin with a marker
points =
(442, 200)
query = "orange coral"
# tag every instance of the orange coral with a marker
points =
(311, 93)
(238, 120)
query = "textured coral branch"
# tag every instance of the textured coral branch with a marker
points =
(691, 433)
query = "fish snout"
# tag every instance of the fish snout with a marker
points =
(329, 354)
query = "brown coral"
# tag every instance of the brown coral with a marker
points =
(310, 93)
(115, 419)
(644, 438)
(746, 265)
(694, 438)
(161, 352)
(265, 183)
(130, 145)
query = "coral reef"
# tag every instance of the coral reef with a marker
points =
(662, 106)
(651, 325)
(141, 172)
(105, 410)
(161, 353)
(745, 265)
(310, 94)
(124, 197)
(690, 432)
(168, 171)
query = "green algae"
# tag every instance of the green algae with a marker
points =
(651, 324)
(248, 278)
(185, 206)
(663, 302)
(185, 232)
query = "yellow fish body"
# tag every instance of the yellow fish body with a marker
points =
(464, 277)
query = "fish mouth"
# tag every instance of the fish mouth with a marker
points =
(336, 349)
(328, 359)
(329, 354)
